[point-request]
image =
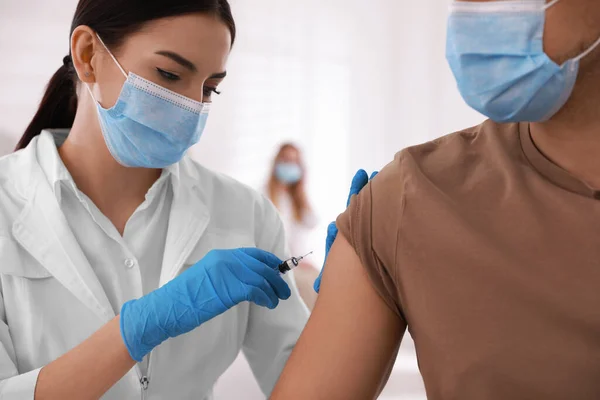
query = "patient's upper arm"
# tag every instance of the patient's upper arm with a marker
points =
(349, 345)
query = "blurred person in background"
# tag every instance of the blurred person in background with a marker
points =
(127, 270)
(482, 243)
(286, 188)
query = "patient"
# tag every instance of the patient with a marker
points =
(484, 243)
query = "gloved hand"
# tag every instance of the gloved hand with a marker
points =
(221, 280)
(358, 183)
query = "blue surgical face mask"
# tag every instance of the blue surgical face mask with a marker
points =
(496, 52)
(288, 173)
(150, 126)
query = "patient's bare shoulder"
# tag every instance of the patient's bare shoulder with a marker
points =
(348, 347)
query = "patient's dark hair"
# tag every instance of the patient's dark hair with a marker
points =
(113, 21)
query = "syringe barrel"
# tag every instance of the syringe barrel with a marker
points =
(287, 265)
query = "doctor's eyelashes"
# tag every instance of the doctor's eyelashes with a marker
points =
(169, 76)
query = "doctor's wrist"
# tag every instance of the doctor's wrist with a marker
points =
(138, 327)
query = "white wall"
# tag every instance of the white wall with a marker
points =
(352, 81)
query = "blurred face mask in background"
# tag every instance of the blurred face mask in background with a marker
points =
(288, 173)
(150, 126)
(496, 52)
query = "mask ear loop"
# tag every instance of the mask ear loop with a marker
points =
(114, 59)
(553, 2)
(585, 53)
(112, 56)
(588, 51)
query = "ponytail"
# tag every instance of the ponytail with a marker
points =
(58, 106)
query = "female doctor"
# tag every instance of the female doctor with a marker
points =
(109, 280)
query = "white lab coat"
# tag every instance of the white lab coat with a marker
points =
(51, 299)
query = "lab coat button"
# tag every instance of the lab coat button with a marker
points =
(145, 382)
(129, 263)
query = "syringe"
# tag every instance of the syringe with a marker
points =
(291, 263)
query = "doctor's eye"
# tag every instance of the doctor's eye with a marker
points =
(168, 75)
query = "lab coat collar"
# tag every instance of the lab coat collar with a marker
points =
(43, 231)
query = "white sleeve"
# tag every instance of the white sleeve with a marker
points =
(272, 334)
(12, 385)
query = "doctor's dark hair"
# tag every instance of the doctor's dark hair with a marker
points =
(113, 21)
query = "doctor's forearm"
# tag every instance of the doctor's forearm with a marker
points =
(89, 370)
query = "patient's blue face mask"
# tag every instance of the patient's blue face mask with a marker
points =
(150, 126)
(496, 52)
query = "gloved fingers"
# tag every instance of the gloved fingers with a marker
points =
(256, 273)
(361, 178)
(257, 286)
(332, 232)
(258, 296)
(263, 256)
(317, 285)
(273, 278)
(358, 182)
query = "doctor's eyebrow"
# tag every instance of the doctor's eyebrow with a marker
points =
(184, 62)
(219, 75)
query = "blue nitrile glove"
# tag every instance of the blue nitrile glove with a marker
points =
(359, 181)
(221, 280)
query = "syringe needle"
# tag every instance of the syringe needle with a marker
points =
(304, 256)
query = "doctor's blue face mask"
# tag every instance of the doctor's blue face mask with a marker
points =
(150, 126)
(496, 52)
